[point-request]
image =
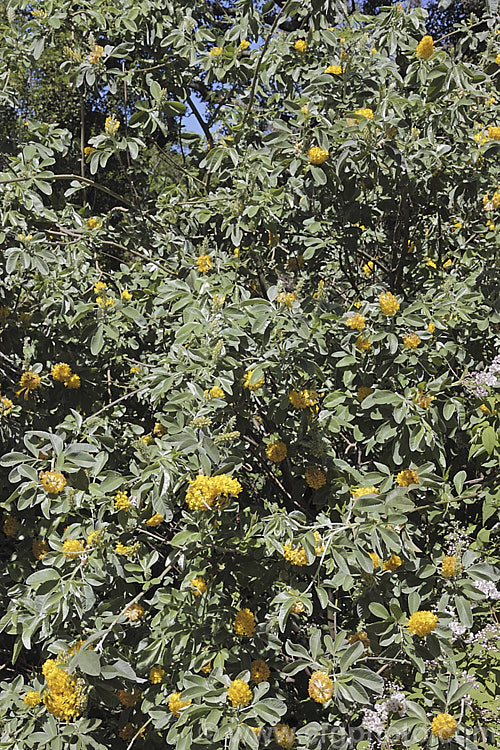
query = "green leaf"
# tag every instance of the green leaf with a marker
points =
(89, 662)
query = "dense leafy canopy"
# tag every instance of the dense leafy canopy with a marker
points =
(248, 377)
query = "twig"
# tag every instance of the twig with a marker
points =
(136, 735)
(117, 401)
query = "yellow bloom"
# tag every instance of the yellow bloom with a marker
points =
(175, 704)
(303, 399)
(29, 381)
(356, 322)
(431, 327)
(287, 298)
(407, 477)
(204, 263)
(73, 547)
(64, 697)
(214, 392)
(367, 113)
(300, 45)
(362, 344)
(423, 400)
(99, 286)
(134, 370)
(111, 126)
(297, 607)
(11, 526)
(392, 563)
(444, 725)
(374, 50)
(61, 372)
(334, 70)
(368, 267)
(362, 393)
(95, 538)
(93, 223)
(215, 51)
(198, 585)
(123, 549)
(375, 559)
(252, 386)
(494, 133)
(497, 59)
(259, 671)
(134, 612)
(244, 623)
(39, 548)
(95, 54)
(317, 155)
(450, 566)
(5, 406)
(362, 637)
(411, 340)
(304, 109)
(425, 47)
(360, 491)
(155, 520)
(320, 687)
(315, 478)
(388, 303)
(156, 674)
(422, 623)
(122, 501)
(73, 381)
(244, 44)
(52, 482)
(295, 555)
(239, 693)
(126, 295)
(32, 698)
(88, 150)
(276, 451)
(284, 736)
(207, 493)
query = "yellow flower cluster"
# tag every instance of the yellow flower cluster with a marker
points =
(423, 400)
(362, 344)
(175, 704)
(29, 381)
(356, 322)
(276, 451)
(156, 674)
(317, 155)
(214, 392)
(239, 693)
(284, 736)
(244, 44)
(368, 267)
(32, 698)
(315, 478)
(127, 698)
(64, 697)
(204, 263)
(5, 406)
(303, 399)
(52, 482)
(422, 623)
(206, 493)
(407, 477)
(122, 501)
(95, 538)
(126, 295)
(362, 392)
(367, 113)
(123, 549)
(392, 563)
(360, 491)
(287, 298)
(11, 526)
(39, 548)
(295, 555)
(155, 520)
(252, 386)
(411, 340)
(362, 637)
(375, 559)
(215, 51)
(159, 430)
(425, 47)
(73, 547)
(244, 623)
(134, 612)
(320, 687)
(494, 132)
(111, 126)
(198, 585)
(259, 671)
(450, 566)
(93, 223)
(95, 54)
(89, 150)
(300, 45)
(388, 303)
(444, 726)
(334, 70)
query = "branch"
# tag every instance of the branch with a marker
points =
(200, 119)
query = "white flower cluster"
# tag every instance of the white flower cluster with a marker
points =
(488, 588)
(374, 721)
(457, 628)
